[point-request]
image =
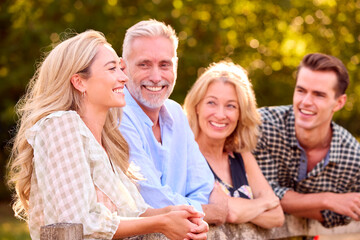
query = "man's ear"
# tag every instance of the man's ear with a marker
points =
(176, 61)
(340, 102)
(77, 82)
(123, 65)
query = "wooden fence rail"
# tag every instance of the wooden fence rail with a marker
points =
(293, 227)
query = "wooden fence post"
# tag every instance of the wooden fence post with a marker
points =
(62, 231)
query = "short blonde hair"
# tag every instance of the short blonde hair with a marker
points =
(245, 135)
(149, 28)
(50, 90)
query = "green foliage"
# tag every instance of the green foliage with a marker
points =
(10, 227)
(268, 38)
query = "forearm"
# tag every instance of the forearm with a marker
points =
(304, 205)
(184, 223)
(156, 211)
(270, 218)
(214, 214)
(313, 214)
(244, 210)
(139, 226)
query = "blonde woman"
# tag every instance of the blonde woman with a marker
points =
(69, 161)
(222, 113)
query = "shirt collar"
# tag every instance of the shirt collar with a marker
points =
(335, 146)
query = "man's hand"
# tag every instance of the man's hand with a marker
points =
(217, 209)
(347, 204)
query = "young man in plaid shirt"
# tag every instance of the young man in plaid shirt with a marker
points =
(312, 163)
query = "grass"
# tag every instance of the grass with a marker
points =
(12, 228)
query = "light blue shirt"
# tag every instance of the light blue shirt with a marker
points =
(175, 171)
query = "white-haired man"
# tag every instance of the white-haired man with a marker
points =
(160, 139)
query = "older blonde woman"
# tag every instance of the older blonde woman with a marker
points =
(69, 161)
(221, 109)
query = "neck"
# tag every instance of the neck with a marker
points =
(210, 148)
(153, 114)
(95, 121)
(314, 139)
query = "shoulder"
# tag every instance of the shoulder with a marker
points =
(237, 159)
(346, 139)
(173, 107)
(275, 113)
(59, 119)
(176, 112)
(279, 118)
(54, 124)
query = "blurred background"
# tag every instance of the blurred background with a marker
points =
(268, 38)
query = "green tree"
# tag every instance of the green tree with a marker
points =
(268, 38)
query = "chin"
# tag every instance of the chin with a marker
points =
(120, 104)
(218, 138)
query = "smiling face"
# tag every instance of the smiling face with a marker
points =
(151, 68)
(218, 112)
(104, 87)
(314, 99)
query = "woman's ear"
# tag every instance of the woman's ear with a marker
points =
(77, 82)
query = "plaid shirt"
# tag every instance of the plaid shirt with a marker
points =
(278, 155)
(73, 180)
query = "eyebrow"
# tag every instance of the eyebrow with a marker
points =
(231, 100)
(110, 62)
(313, 91)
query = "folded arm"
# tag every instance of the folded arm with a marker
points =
(264, 210)
(311, 205)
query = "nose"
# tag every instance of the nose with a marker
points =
(220, 112)
(307, 99)
(155, 75)
(122, 77)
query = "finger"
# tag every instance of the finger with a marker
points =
(199, 236)
(350, 213)
(357, 213)
(188, 208)
(354, 216)
(196, 214)
(201, 226)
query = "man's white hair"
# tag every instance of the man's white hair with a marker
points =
(149, 28)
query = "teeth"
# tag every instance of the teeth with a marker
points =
(153, 89)
(307, 112)
(218, 124)
(118, 90)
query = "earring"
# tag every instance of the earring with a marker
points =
(83, 94)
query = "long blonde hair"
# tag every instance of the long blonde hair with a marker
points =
(245, 135)
(50, 90)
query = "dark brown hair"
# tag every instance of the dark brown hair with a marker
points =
(323, 62)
